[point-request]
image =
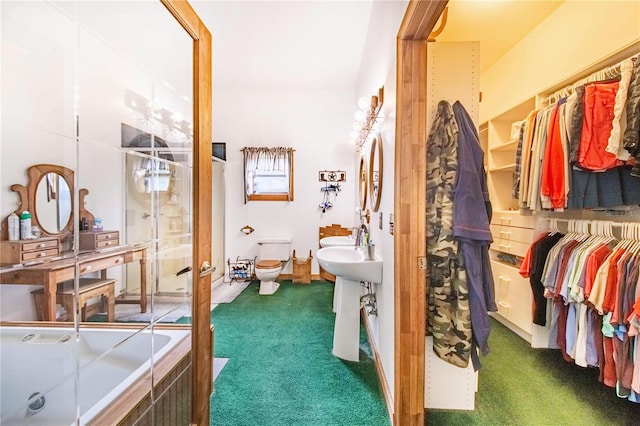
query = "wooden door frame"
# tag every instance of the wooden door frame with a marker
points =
(201, 333)
(410, 281)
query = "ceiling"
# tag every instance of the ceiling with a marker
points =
(497, 25)
(319, 44)
(286, 44)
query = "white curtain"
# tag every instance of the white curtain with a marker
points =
(267, 159)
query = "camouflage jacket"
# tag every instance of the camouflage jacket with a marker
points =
(449, 319)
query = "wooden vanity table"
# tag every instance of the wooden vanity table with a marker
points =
(50, 273)
(48, 261)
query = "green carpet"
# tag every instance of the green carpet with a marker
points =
(281, 370)
(519, 385)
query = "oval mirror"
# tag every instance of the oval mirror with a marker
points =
(53, 203)
(362, 185)
(375, 172)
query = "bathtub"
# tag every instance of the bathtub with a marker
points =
(34, 359)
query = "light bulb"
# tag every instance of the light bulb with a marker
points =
(354, 135)
(360, 115)
(357, 125)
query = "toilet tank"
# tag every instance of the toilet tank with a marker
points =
(274, 248)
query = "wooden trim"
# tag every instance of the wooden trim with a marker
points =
(278, 196)
(363, 181)
(291, 176)
(202, 341)
(375, 152)
(268, 197)
(420, 18)
(290, 277)
(130, 326)
(443, 23)
(410, 281)
(118, 410)
(382, 377)
(330, 231)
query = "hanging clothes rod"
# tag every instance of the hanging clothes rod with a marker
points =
(623, 230)
(589, 221)
(609, 73)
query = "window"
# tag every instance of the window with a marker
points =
(268, 174)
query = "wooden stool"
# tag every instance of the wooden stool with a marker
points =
(89, 288)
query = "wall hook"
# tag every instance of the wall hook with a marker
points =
(332, 176)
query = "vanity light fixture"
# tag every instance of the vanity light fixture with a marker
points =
(368, 118)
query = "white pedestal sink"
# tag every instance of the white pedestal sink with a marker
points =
(335, 241)
(350, 266)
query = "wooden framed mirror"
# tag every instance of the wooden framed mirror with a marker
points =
(364, 180)
(375, 172)
(48, 196)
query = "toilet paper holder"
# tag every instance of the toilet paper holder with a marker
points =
(246, 229)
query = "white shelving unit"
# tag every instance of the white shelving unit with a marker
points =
(513, 231)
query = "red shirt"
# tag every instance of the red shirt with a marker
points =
(553, 163)
(597, 122)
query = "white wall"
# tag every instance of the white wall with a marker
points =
(316, 123)
(577, 35)
(378, 68)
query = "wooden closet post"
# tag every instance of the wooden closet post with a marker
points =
(410, 210)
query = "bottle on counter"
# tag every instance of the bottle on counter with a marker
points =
(14, 227)
(25, 225)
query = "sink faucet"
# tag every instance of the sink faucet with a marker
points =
(363, 230)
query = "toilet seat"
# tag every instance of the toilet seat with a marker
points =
(268, 264)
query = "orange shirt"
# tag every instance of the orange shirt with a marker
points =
(611, 289)
(599, 101)
(553, 163)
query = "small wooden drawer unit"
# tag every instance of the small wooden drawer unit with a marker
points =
(14, 252)
(96, 240)
(512, 233)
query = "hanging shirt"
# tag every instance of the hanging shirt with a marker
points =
(631, 138)
(599, 102)
(537, 153)
(527, 141)
(515, 192)
(540, 251)
(614, 143)
(552, 181)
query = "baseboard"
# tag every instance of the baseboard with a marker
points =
(384, 385)
(290, 277)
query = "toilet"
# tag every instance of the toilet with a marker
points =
(272, 255)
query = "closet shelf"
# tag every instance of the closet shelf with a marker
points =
(505, 168)
(512, 145)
